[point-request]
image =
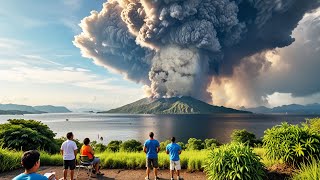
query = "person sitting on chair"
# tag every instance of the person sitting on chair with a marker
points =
(86, 150)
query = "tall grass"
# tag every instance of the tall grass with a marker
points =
(309, 171)
(264, 159)
(10, 159)
(191, 160)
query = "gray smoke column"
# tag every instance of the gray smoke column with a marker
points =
(174, 46)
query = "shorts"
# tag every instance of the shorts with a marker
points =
(175, 165)
(69, 164)
(152, 163)
(95, 160)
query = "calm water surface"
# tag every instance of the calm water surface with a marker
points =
(124, 127)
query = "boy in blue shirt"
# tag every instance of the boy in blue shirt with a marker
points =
(174, 150)
(30, 160)
(151, 148)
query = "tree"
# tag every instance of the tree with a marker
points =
(131, 146)
(114, 146)
(25, 135)
(243, 136)
(195, 144)
(211, 143)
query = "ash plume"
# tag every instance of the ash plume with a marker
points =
(176, 46)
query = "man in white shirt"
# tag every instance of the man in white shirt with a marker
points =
(69, 152)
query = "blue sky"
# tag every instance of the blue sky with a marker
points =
(40, 65)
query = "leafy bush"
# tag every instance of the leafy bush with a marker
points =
(25, 135)
(131, 146)
(243, 136)
(291, 143)
(98, 148)
(314, 124)
(164, 144)
(195, 144)
(211, 143)
(114, 146)
(182, 145)
(234, 161)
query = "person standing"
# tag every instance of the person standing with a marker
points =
(151, 148)
(174, 150)
(69, 151)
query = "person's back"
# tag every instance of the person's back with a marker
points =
(69, 150)
(152, 145)
(173, 150)
(86, 151)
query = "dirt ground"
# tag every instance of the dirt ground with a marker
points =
(110, 174)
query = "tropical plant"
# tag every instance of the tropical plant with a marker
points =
(234, 161)
(182, 145)
(243, 136)
(114, 146)
(291, 143)
(131, 146)
(308, 171)
(314, 124)
(24, 135)
(195, 144)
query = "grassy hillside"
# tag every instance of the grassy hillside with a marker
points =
(175, 105)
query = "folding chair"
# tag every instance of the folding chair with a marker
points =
(85, 163)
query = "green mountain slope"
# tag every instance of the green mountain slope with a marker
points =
(174, 105)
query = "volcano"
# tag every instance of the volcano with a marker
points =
(174, 105)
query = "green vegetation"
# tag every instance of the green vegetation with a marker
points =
(234, 161)
(131, 146)
(291, 143)
(191, 160)
(243, 136)
(10, 159)
(195, 144)
(23, 135)
(114, 146)
(174, 105)
(314, 124)
(308, 171)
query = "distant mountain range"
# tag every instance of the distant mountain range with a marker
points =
(24, 109)
(174, 105)
(288, 109)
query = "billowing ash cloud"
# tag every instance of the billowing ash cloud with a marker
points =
(175, 46)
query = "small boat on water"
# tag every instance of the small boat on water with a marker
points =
(67, 119)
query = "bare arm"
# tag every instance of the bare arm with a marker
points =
(144, 149)
(75, 152)
(179, 152)
(158, 149)
(167, 151)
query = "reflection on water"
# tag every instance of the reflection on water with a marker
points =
(124, 127)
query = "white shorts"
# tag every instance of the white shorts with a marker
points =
(175, 165)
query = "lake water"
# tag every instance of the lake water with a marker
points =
(124, 127)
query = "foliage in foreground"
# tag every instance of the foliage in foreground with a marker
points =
(308, 171)
(10, 159)
(291, 143)
(19, 134)
(234, 161)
